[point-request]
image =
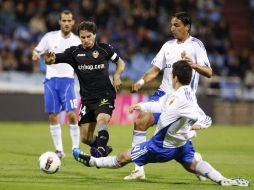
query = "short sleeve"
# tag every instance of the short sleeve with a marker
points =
(42, 46)
(160, 60)
(202, 58)
(111, 54)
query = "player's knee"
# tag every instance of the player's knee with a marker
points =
(53, 118)
(72, 117)
(103, 122)
(143, 122)
(103, 119)
(124, 158)
(191, 167)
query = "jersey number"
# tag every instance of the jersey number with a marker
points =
(136, 148)
(83, 111)
(73, 103)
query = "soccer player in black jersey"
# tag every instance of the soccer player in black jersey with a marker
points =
(90, 62)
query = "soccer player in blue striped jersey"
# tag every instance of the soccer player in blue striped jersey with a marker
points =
(180, 117)
(182, 47)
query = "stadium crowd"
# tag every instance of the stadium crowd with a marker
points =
(135, 28)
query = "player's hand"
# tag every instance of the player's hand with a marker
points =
(183, 54)
(188, 60)
(196, 127)
(134, 107)
(117, 82)
(50, 58)
(35, 56)
(135, 87)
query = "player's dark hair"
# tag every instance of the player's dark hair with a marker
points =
(87, 25)
(184, 17)
(183, 71)
(65, 12)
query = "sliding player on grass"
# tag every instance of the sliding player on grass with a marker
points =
(180, 117)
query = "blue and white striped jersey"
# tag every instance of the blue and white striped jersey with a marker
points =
(179, 111)
(171, 52)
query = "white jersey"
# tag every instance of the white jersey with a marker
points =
(179, 111)
(171, 52)
(55, 42)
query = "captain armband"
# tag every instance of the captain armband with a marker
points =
(114, 58)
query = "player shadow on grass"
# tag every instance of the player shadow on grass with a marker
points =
(153, 179)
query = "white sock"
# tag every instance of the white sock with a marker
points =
(105, 162)
(56, 134)
(138, 137)
(205, 169)
(74, 133)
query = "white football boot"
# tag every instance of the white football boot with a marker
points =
(60, 154)
(135, 174)
(235, 182)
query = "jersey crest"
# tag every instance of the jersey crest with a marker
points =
(171, 102)
(95, 54)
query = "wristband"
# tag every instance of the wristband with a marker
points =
(141, 82)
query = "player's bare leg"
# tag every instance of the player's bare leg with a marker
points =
(141, 124)
(87, 133)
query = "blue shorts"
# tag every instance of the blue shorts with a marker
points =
(59, 95)
(148, 152)
(154, 98)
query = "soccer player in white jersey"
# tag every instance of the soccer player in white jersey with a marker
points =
(185, 47)
(180, 117)
(59, 92)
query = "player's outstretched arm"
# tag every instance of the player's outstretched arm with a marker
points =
(50, 58)
(152, 107)
(134, 107)
(148, 76)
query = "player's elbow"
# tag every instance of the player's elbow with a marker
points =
(121, 64)
(209, 73)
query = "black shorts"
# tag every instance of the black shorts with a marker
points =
(91, 109)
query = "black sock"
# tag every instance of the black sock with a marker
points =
(94, 144)
(102, 139)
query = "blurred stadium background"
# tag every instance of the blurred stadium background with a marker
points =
(136, 29)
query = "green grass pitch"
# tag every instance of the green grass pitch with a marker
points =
(230, 149)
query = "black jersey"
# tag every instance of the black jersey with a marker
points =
(91, 66)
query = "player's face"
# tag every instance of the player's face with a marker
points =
(87, 38)
(66, 23)
(179, 30)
